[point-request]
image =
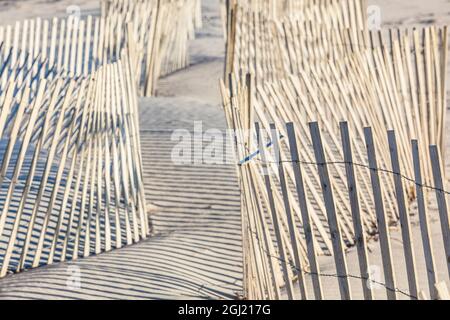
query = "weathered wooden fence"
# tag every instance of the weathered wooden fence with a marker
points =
(297, 207)
(162, 30)
(261, 41)
(318, 62)
(398, 77)
(71, 167)
(69, 47)
(155, 34)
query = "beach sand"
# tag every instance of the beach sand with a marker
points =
(16, 10)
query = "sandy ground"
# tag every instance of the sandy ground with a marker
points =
(402, 13)
(196, 252)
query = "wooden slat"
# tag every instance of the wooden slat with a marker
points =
(336, 238)
(276, 223)
(290, 218)
(385, 242)
(424, 223)
(361, 242)
(306, 219)
(441, 201)
(408, 245)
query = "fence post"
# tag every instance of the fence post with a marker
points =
(268, 242)
(424, 228)
(306, 219)
(381, 217)
(339, 255)
(361, 244)
(289, 215)
(276, 222)
(441, 200)
(408, 245)
(266, 249)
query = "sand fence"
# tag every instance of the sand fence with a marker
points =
(71, 170)
(340, 149)
(71, 164)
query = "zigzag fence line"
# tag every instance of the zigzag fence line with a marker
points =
(285, 233)
(71, 170)
(162, 30)
(396, 77)
(317, 61)
(155, 33)
(71, 179)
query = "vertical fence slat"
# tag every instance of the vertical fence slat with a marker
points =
(442, 291)
(268, 244)
(424, 226)
(276, 222)
(289, 216)
(361, 244)
(441, 200)
(339, 254)
(306, 219)
(408, 245)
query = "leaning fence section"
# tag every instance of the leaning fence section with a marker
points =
(295, 183)
(161, 30)
(71, 180)
(397, 76)
(330, 185)
(71, 169)
(155, 33)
